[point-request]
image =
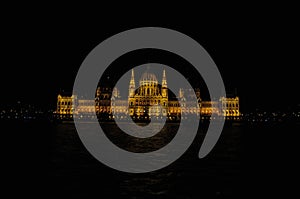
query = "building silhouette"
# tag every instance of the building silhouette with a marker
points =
(150, 99)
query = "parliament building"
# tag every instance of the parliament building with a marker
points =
(149, 99)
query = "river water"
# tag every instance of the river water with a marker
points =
(44, 159)
(76, 173)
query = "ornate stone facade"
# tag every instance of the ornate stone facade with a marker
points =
(149, 99)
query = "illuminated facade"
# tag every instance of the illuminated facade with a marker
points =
(149, 93)
(149, 99)
(65, 105)
(228, 107)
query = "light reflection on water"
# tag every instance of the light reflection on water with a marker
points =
(74, 169)
(138, 145)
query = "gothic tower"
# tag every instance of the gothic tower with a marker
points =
(164, 86)
(164, 89)
(131, 93)
(132, 85)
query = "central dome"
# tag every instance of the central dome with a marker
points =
(148, 79)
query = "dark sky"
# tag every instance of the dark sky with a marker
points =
(255, 54)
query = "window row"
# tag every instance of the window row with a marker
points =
(64, 103)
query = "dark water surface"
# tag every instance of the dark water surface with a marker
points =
(76, 172)
(49, 160)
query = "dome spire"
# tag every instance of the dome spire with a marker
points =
(148, 78)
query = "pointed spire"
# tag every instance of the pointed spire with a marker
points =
(132, 82)
(181, 93)
(164, 79)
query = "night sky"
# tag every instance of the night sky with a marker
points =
(255, 47)
(254, 55)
